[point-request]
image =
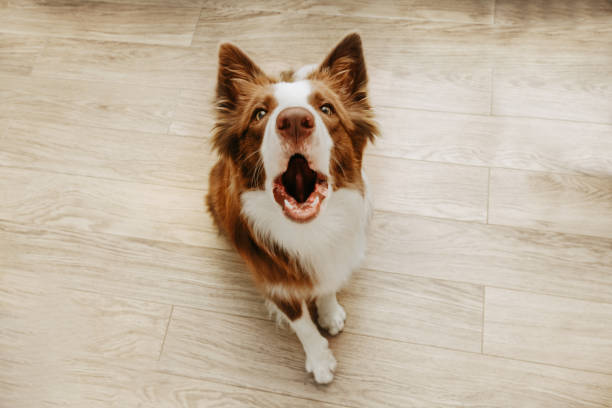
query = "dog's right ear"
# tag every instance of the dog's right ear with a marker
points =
(235, 71)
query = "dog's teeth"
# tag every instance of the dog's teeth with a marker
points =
(288, 204)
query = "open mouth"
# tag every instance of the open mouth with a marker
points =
(300, 190)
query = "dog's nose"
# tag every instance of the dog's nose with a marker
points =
(295, 124)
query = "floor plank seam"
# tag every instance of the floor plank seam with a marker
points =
(161, 350)
(174, 111)
(486, 115)
(88, 126)
(549, 365)
(494, 11)
(195, 29)
(491, 94)
(72, 37)
(115, 180)
(346, 15)
(484, 296)
(488, 195)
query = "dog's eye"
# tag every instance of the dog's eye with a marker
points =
(259, 114)
(327, 109)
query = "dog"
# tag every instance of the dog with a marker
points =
(288, 189)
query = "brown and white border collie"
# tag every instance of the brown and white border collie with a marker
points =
(288, 189)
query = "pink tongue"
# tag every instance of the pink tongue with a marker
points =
(299, 180)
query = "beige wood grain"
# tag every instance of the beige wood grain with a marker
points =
(113, 154)
(87, 103)
(426, 311)
(566, 203)
(420, 310)
(569, 93)
(454, 88)
(135, 268)
(18, 53)
(104, 385)
(102, 21)
(193, 114)
(407, 187)
(91, 204)
(34, 320)
(560, 12)
(548, 329)
(247, 352)
(130, 63)
(49, 332)
(469, 11)
(64, 3)
(545, 262)
(521, 143)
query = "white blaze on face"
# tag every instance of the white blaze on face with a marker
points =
(276, 153)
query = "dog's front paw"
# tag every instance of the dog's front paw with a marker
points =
(322, 365)
(332, 319)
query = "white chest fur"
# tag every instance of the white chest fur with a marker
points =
(330, 246)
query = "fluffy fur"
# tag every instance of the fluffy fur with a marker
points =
(295, 264)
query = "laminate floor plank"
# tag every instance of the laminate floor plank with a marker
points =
(460, 192)
(48, 332)
(134, 268)
(568, 93)
(193, 114)
(548, 329)
(561, 12)
(370, 372)
(494, 141)
(122, 155)
(130, 63)
(18, 53)
(81, 203)
(103, 385)
(418, 310)
(102, 21)
(68, 3)
(544, 262)
(126, 107)
(555, 202)
(467, 11)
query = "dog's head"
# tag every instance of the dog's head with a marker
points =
(299, 138)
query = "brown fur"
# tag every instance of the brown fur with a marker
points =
(241, 89)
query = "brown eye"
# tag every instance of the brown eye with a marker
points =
(327, 109)
(259, 114)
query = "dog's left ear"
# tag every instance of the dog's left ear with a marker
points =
(346, 66)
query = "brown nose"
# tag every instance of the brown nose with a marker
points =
(295, 123)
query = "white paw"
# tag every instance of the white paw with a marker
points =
(322, 365)
(332, 319)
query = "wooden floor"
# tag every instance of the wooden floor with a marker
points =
(488, 280)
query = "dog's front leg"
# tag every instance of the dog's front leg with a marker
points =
(331, 314)
(319, 359)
